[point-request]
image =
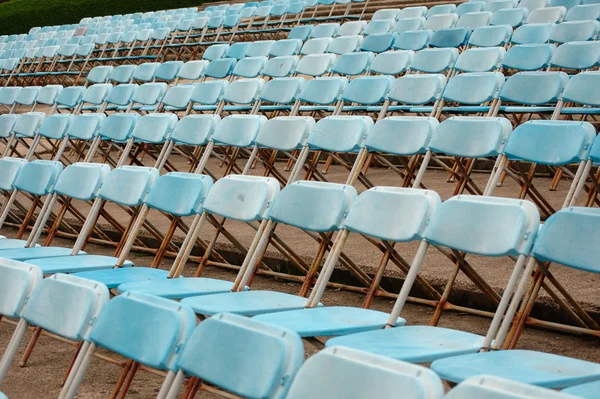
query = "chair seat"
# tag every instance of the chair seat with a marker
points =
(115, 277)
(416, 344)
(74, 264)
(178, 288)
(23, 254)
(248, 303)
(329, 321)
(536, 368)
(586, 391)
(12, 243)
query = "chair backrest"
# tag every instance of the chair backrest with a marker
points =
(243, 198)
(97, 94)
(55, 126)
(154, 128)
(85, 126)
(532, 33)
(340, 133)
(282, 90)
(279, 67)
(534, 88)
(221, 68)
(313, 206)
(345, 44)
(576, 55)
(434, 60)
(471, 6)
(413, 40)
(418, 89)
(249, 67)
(209, 93)
(474, 20)
(379, 42)
(379, 26)
(237, 50)
(285, 47)
(7, 124)
(9, 94)
(70, 97)
(391, 62)
(128, 185)
(495, 5)
(389, 13)
(27, 95)
(118, 127)
(409, 24)
(82, 180)
(178, 97)
(586, 12)
(215, 52)
(568, 4)
(551, 142)
(512, 17)
(243, 91)
(260, 48)
(316, 46)
(285, 133)
(342, 372)
(351, 64)
(243, 356)
(529, 57)
(487, 226)
(195, 129)
(192, 70)
(483, 59)
(300, 32)
(575, 31)
(487, 386)
(450, 37)
(128, 326)
(323, 91)
(122, 73)
(474, 88)
(367, 90)
(18, 281)
(66, 305)
(27, 125)
(580, 89)
(401, 135)
(441, 21)
(441, 9)
(548, 15)
(324, 30)
(533, 4)
(168, 70)
(238, 130)
(471, 137)
(149, 93)
(351, 28)
(315, 64)
(411, 12)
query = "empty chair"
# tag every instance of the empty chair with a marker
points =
(324, 31)
(285, 47)
(192, 70)
(474, 20)
(326, 375)
(421, 89)
(168, 71)
(279, 67)
(488, 386)
(315, 64)
(249, 67)
(576, 55)
(533, 4)
(409, 24)
(300, 32)
(548, 15)
(394, 13)
(452, 37)
(215, 52)
(587, 12)
(436, 60)
(529, 57)
(491, 36)
(237, 50)
(480, 59)
(100, 74)
(352, 28)
(411, 12)
(575, 31)
(495, 5)
(122, 74)
(413, 40)
(316, 46)
(378, 43)
(259, 48)
(470, 6)
(580, 91)
(353, 63)
(145, 72)
(532, 33)
(391, 62)
(441, 21)
(568, 4)
(345, 44)
(513, 17)
(379, 26)
(441, 9)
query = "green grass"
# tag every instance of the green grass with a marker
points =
(18, 16)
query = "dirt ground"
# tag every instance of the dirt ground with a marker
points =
(42, 375)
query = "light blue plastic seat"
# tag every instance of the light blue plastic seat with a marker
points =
(551, 142)
(487, 386)
(7, 123)
(27, 95)
(451, 226)
(307, 205)
(352, 28)
(529, 57)
(208, 94)
(532, 34)
(85, 126)
(178, 97)
(316, 46)
(281, 91)
(260, 48)
(352, 63)
(192, 70)
(441, 9)
(127, 326)
(580, 90)
(96, 95)
(533, 88)
(121, 95)
(441, 21)
(379, 26)
(322, 91)
(568, 4)
(576, 55)
(237, 50)
(315, 64)
(285, 133)
(55, 126)
(513, 17)
(379, 42)
(249, 67)
(27, 124)
(122, 74)
(484, 59)
(70, 97)
(575, 31)
(154, 128)
(195, 129)
(118, 127)
(470, 6)
(324, 30)
(451, 37)
(285, 47)
(548, 15)
(219, 349)
(413, 40)
(421, 89)
(401, 135)
(495, 5)
(168, 71)
(145, 72)
(340, 133)
(474, 20)
(345, 44)
(242, 93)
(215, 52)
(8, 95)
(48, 94)
(585, 391)
(279, 67)
(300, 32)
(391, 62)
(409, 24)
(434, 60)
(18, 281)
(238, 130)
(220, 68)
(341, 372)
(585, 12)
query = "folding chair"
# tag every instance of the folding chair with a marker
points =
(450, 37)
(434, 60)
(532, 33)
(576, 56)
(529, 57)
(534, 4)
(575, 31)
(496, 5)
(345, 372)
(441, 21)
(516, 223)
(585, 12)
(25, 133)
(409, 24)
(211, 348)
(63, 305)
(548, 15)
(557, 371)
(513, 17)
(487, 386)
(134, 315)
(393, 63)
(441, 9)
(483, 59)
(474, 20)
(412, 40)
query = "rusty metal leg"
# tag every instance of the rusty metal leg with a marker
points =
(71, 363)
(36, 335)
(121, 380)
(134, 369)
